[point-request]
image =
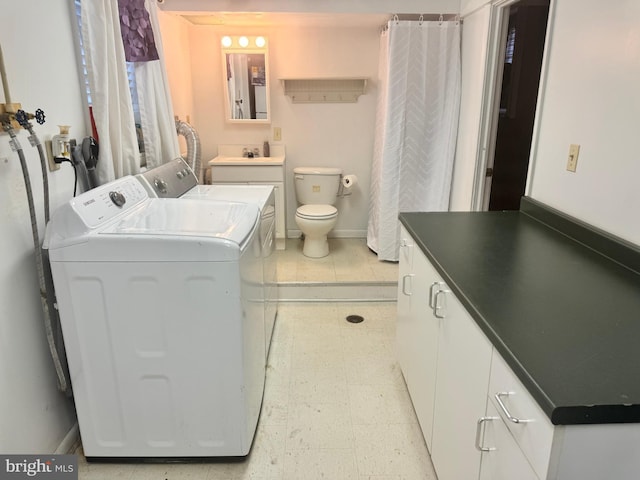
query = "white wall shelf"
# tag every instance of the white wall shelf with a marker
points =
(324, 90)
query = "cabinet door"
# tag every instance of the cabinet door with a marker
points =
(417, 333)
(505, 460)
(464, 360)
(281, 229)
(404, 332)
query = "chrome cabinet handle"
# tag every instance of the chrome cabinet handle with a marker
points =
(404, 284)
(498, 396)
(432, 292)
(481, 420)
(436, 305)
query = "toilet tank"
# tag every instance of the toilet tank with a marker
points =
(316, 185)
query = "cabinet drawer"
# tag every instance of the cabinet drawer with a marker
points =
(503, 459)
(534, 434)
(247, 173)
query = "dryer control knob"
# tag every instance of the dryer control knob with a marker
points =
(179, 175)
(160, 184)
(117, 198)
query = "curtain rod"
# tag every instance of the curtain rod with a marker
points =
(421, 17)
(426, 17)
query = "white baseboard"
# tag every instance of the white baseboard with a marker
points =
(70, 441)
(333, 234)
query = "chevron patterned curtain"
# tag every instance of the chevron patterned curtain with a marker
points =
(416, 126)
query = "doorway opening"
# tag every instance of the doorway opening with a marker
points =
(522, 36)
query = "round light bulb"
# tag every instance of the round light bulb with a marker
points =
(260, 42)
(243, 41)
(226, 41)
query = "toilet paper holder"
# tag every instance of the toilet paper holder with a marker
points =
(346, 184)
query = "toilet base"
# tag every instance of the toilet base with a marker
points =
(315, 247)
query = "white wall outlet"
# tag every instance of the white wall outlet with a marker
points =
(277, 134)
(572, 161)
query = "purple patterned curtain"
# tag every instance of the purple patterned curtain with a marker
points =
(137, 35)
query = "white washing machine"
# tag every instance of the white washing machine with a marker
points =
(161, 308)
(175, 179)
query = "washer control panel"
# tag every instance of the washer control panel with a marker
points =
(169, 180)
(105, 202)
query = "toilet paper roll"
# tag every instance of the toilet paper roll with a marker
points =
(349, 181)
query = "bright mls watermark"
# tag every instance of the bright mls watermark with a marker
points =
(51, 467)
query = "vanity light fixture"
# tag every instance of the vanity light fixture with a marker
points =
(244, 41)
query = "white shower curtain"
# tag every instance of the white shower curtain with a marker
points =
(416, 126)
(110, 94)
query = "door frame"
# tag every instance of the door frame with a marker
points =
(496, 38)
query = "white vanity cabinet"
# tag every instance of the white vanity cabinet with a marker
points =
(256, 171)
(445, 359)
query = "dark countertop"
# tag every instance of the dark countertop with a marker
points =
(563, 315)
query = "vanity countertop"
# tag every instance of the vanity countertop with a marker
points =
(559, 300)
(230, 160)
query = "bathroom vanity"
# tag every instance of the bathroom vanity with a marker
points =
(519, 338)
(231, 167)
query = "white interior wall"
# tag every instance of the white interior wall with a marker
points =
(592, 98)
(39, 56)
(177, 53)
(334, 134)
(468, 7)
(338, 135)
(475, 30)
(313, 6)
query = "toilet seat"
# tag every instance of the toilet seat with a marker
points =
(317, 212)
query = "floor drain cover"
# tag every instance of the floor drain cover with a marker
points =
(355, 318)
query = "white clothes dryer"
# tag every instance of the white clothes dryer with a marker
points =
(175, 179)
(160, 306)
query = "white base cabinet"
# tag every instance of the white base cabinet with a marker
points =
(477, 418)
(464, 362)
(502, 458)
(417, 334)
(445, 360)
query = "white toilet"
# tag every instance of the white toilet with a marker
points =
(316, 191)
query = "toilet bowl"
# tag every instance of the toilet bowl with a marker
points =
(316, 191)
(315, 222)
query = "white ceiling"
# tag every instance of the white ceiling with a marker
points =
(274, 19)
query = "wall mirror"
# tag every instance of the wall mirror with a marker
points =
(246, 79)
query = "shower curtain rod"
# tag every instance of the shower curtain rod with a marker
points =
(424, 17)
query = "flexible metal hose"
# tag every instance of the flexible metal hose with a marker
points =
(63, 384)
(193, 147)
(35, 141)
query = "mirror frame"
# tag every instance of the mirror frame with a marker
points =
(235, 48)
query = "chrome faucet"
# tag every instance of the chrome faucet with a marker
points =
(248, 153)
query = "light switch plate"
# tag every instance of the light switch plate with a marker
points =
(572, 161)
(277, 134)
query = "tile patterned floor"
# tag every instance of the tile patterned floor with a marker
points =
(335, 405)
(349, 260)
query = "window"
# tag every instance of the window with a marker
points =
(132, 87)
